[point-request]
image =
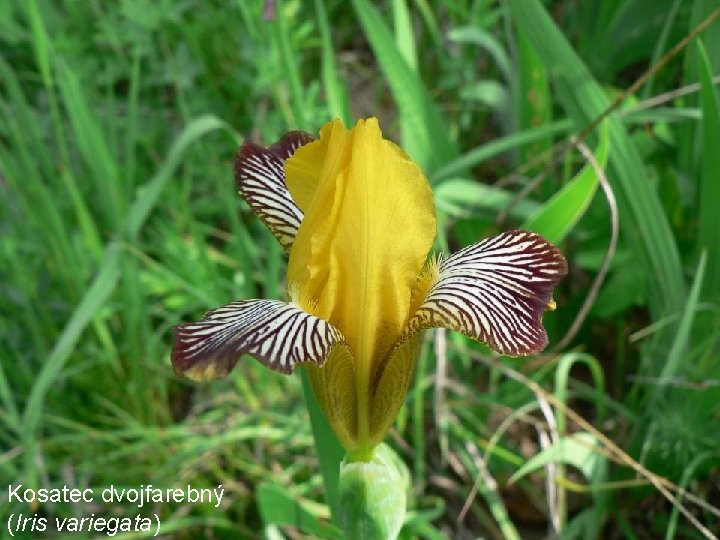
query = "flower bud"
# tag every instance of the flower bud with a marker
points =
(373, 495)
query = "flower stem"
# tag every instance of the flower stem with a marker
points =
(329, 451)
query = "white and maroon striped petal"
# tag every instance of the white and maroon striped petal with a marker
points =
(277, 334)
(496, 291)
(260, 177)
(291, 141)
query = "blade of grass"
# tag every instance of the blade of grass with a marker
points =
(92, 145)
(431, 22)
(460, 197)
(405, 42)
(661, 43)
(676, 354)
(689, 470)
(687, 134)
(335, 90)
(534, 106)
(488, 489)
(485, 40)
(404, 37)
(291, 68)
(709, 188)
(429, 143)
(330, 453)
(556, 218)
(419, 441)
(576, 449)
(562, 382)
(278, 507)
(9, 409)
(701, 9)
(497, 146)
(29, 160)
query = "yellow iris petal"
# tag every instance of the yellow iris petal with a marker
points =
(368, 226)
(311, 164)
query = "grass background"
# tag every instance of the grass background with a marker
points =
(119, 219)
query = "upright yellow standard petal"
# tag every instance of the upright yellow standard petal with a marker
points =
(324, 158)
(368, 226)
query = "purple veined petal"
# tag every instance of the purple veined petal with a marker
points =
(291, 141)
(260, 177)
(496, 291)
(278, 334)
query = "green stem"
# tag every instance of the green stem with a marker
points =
(328, 449)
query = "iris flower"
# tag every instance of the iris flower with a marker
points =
(357, 218)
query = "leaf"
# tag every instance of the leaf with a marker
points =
(428, 142)
(278, 507)
(335, 89)
(578, 450)
(504, 144)
(556, 218)
(708, 230)
(485, 40)
(489, 93)
(461, 197)
(404, 36)
(330, 453)
(677, 353)
(562, 383)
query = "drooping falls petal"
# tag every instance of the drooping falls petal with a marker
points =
(369, 224)
(277, 334)
(260, 177)
(495, 291)
(289, 143)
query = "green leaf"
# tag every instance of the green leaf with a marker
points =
(404, 37)
(578, 450)
(491, 149)
(533, 100)
(463, 197)
(428, 142)
(291, 69)
(406, 46)
(329, 451)
(489, 93)
(556, 218)
(677, 353)
(487, 41)
(278, 507)
(708, 230)
(335, 90)
(562, 383)
(626, 287)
